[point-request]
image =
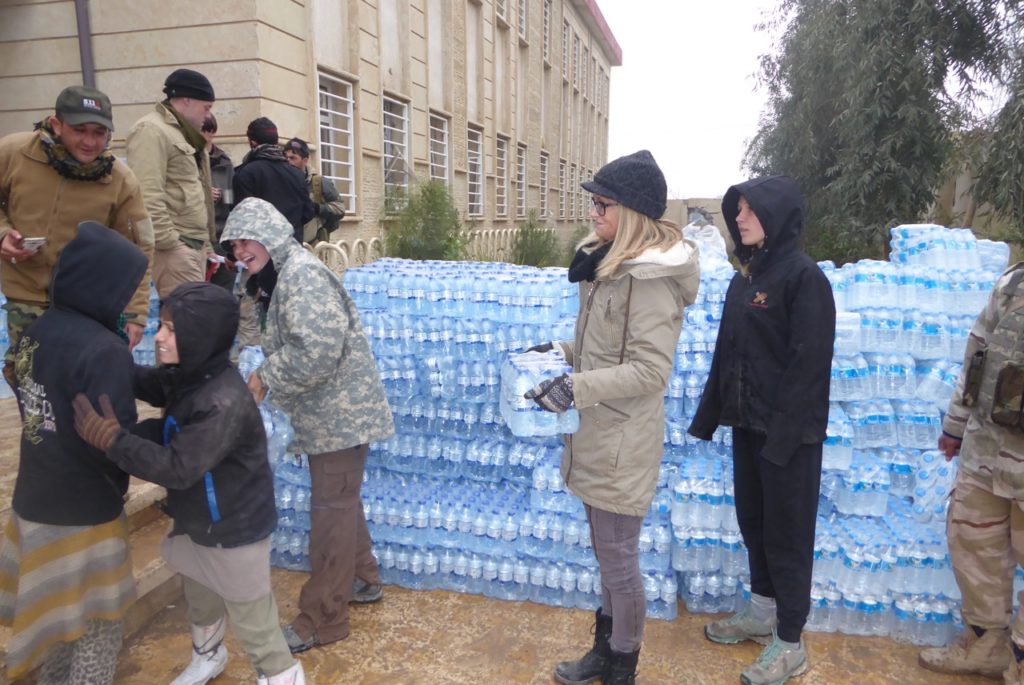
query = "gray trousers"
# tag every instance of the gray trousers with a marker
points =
(616, 540)
(255, 624)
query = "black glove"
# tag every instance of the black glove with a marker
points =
(97, 430)
(323, 210)
(554, 394)
(543, 347)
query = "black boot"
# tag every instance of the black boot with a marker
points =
(620, 669)
(591, 666)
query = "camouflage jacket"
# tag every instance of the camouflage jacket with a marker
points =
(990, 452)
(318, 366)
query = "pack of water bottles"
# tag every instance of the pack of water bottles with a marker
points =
(145, 352)
(519, 374)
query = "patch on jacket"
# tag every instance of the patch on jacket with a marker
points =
(760, 300)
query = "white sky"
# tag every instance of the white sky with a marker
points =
(687, 87)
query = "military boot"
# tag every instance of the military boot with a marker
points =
(988, 655)
(620, 668)
(589, 668)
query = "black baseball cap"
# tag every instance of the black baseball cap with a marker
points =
(83, 105)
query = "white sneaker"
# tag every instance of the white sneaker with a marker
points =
(204, 667)
(290, 676)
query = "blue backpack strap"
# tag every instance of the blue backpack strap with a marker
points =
(170, 428)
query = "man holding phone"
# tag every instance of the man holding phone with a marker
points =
(51, 180)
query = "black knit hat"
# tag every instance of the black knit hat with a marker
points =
(185, 83)
(262, 131)
(634, 181)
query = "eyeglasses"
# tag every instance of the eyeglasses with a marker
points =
(601, 207)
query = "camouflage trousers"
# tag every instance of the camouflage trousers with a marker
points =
(19, 316)
(986, 543)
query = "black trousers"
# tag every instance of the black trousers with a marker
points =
(777, 507)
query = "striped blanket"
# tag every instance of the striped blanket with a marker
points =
(55, 578)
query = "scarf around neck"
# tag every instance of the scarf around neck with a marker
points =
(58, 157)
(584, 264)
(194, 137)
(268, 151)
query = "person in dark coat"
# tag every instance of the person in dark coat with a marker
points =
(210, 451)
(265, 173)
(769, 382)
(65, 546)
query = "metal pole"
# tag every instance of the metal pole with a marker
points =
(85, 43)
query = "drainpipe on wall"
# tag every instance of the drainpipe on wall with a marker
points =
(85, 43)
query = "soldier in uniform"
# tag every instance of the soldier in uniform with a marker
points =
(51, 180)
(329, 208)
(985, 522)
(321, 371)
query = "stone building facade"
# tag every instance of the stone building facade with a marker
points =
(505, 100)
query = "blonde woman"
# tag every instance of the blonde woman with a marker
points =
(636, 273)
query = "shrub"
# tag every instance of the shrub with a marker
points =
(427, 226)
(534, 244)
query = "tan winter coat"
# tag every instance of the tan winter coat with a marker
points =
(38, 202)
(174, 184)
(626, 335)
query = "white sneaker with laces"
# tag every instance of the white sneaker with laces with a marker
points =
(290, 676)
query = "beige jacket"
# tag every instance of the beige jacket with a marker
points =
(626, 335)
(175, 186)
(38, 202)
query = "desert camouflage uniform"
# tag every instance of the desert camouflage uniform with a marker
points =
(320, 370)
(985, 523)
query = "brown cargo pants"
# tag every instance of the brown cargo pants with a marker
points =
(339, 544)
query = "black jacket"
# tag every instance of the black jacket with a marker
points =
(770, 372)
(73, 348)
(210, 449)
(266, 174)
(222, 173)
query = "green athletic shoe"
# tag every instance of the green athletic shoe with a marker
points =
(777, 664)
(740, 627)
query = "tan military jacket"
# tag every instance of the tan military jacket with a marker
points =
(992, 453)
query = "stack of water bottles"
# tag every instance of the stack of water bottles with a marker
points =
(454, 499)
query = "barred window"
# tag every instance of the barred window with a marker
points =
(337, 136)
(501, 177)
(521, 180)
(438, 148)
(524, 19)
(565, 50)
(563, 189)
(475, 171)
(396, 154)
(572, 192)
(501, 8)
(547, 32)
(543, 183)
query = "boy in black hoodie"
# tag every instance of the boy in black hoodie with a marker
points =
(210, 451)
(769, 381)
(65, 572)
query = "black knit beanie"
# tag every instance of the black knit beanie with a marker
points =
(186, 83)
(262, 131)
(634, 181)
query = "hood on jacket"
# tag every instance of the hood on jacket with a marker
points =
(255, 219)
(205, 320)
(97, 274)
(779, 206)
(680, 263)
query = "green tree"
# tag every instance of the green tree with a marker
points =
(1000, 176)
(427, 227)
(866, 101)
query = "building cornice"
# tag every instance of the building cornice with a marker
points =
(591, 15)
